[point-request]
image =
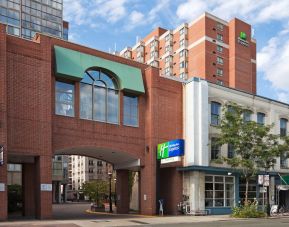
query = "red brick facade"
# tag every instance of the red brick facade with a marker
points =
(31, 133)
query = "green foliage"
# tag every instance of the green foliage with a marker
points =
(255, 147)
(14, 197)
(249, 210)
(96, 190)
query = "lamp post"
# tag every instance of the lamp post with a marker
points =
(110, 202)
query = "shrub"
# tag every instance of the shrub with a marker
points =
(249, 210)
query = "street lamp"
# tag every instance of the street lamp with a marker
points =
(110, 202)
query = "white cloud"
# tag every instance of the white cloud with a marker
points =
(109, 10)
(135, 19)
(272, 61)
(92, 12)
(254, 11)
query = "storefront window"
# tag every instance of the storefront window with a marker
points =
(219, 191)
(64, 99)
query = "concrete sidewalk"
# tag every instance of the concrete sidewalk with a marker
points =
(118, 222)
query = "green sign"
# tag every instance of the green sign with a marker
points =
(243, 35)
(170, 149)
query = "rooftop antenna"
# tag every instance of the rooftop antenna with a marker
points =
(114, 47)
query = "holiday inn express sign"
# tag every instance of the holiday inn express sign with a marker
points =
(170, 149)
(242, 39)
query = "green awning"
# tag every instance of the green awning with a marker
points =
(285, 180)
(72, 64)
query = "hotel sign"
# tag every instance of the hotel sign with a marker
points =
(242, 39)
(170, 149)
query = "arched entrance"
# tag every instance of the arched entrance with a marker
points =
(122, 163)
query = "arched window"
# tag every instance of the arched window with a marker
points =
(99, 98)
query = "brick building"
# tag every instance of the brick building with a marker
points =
(206, 47)
(42, 88)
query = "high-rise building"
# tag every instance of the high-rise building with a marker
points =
(210, 48)
(84, 169)
(24, 18)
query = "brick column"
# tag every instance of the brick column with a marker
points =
(28, 189)
(43, 198)
(3, 121)
(122, 191)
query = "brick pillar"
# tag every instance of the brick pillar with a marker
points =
(28, 190)
(44, 198)
(122, 191)
(3, 121)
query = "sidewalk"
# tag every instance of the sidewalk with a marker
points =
(118, 222)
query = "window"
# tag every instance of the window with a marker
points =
(219, 72)
(183, 76)
(64, 99)
(130, 110)
(99, 99)
(183, 65)
(99, 163)
(182, 31)
(247, 114)
(252, 189)
(183, 53)
(215, 149)
(283, 162)
(220, 82)
(219, 191)
(260, 118)
(182, 43)
(230, 151)
(168, 49)
(220, 60)
(283, 127)
(220, 26)
(219, 48)
(215, 113)
(220, 37)
(167, 38)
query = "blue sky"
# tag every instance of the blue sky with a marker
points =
(104, 24)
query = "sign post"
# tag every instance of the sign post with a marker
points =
(264, 180)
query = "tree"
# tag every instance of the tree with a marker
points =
(255, 147)
(96, 190)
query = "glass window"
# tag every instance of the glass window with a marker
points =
(220, 37)
(215, 149)
(220, 60)
(130, 110)
(261, 118)
(219, 191)
(215, 113)
(247, 114)
(99, 99)
(219, 72)
(219, 48)
(64, 99)
(230, 150)
(283, 127)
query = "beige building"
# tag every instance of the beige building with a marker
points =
(83, 169)
(213, 187)
(219, 51)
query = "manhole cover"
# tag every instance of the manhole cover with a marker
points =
(139, 222)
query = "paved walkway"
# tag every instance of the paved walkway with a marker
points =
(117, 220)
